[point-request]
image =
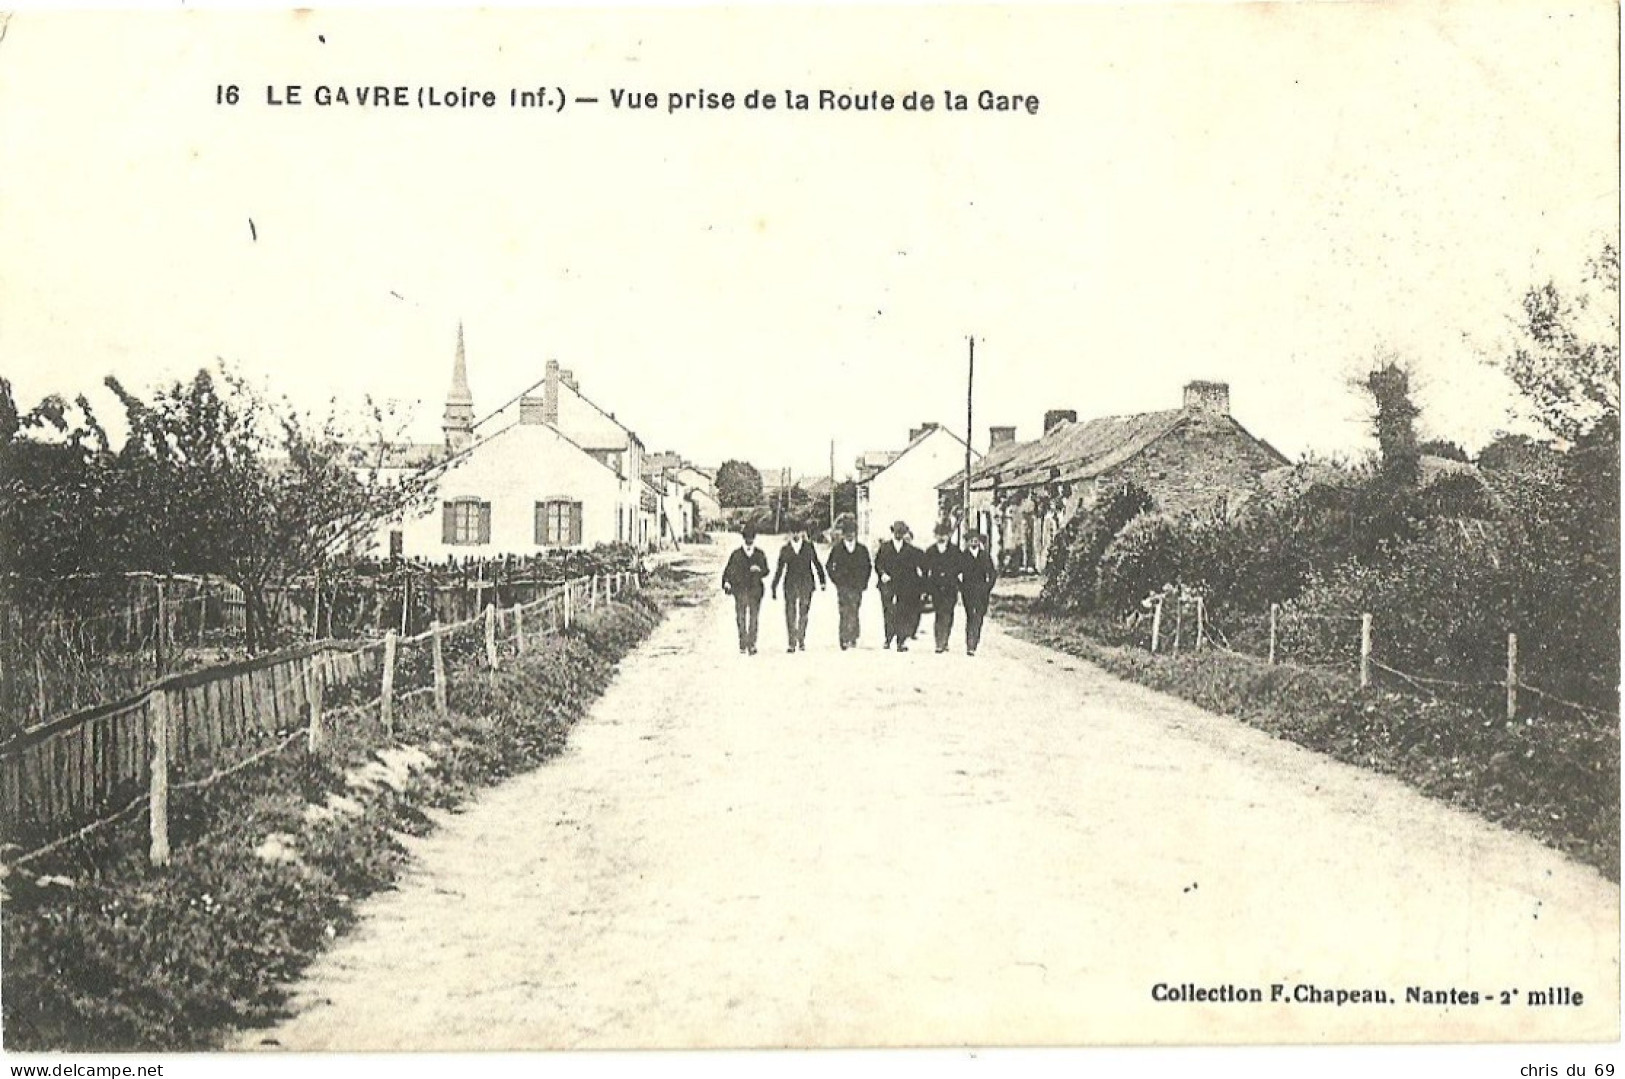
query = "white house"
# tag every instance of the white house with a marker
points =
(548, 469)
(905, 488)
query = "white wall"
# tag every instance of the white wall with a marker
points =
(907, 489)
(513, 470)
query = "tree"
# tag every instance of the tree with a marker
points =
(212, 478)
(1442, 447)
(1565, 360)
(739, 484)
(1390, 386)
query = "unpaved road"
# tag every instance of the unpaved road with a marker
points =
(872, 849)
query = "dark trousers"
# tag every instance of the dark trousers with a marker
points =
(900, 612)
(747, 616)
(943, 609)
(849, 600)
(797, 605)
(975, 614)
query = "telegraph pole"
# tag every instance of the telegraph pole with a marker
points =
(970, 386)
(832, 483)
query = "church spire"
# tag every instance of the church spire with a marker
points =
(458, 423)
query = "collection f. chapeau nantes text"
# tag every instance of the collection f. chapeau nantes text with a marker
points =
(557, 99)
(1338, 996)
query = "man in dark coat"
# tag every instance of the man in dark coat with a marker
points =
(849, 567)
(897, 571)
(976, 585)
(798, 566)
(941, 565)
(743, 579)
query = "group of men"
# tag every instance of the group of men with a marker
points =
(905, 575)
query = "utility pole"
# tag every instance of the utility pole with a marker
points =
(970, 387)
(832, 483)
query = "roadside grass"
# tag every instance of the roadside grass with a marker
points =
(103, 952)
(1553, 776)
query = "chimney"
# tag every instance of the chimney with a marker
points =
(1057, 416)
(916, 432)
(1208, 397)
(550, 395)
(998, 436)
(568, 377)
(532, 410)
(458, 420)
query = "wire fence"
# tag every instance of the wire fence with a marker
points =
(1177, 620)
(67, 777)
(73, 643)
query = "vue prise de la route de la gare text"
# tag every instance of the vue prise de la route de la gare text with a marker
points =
(556, 98)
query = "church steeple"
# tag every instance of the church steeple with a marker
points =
(459, 418)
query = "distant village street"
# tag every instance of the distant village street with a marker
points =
(868, 848)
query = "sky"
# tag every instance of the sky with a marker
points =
(1266, 195)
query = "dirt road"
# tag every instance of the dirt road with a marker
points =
(865, 848)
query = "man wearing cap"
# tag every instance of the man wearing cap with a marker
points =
(798, 565)
(941, 567)
(976, 585)
(897, 572)
(849, 565)
(743, 579)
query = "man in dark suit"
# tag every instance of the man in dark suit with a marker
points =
(976, 585)
(798, 565)
(941, 566)
(743, 578)
(897, 571)
(849, 567)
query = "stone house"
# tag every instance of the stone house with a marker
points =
(1195, 458)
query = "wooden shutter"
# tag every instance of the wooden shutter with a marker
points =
(485, 523)
(541, 523)
(448, 523)
(573, 509)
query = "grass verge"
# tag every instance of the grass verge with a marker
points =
(1554, 777)
(103, 952)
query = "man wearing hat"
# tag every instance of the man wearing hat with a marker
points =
(798, 565)
(976, 585)
(849, 565)
(897, 571)
(942, 567)
(743, 579)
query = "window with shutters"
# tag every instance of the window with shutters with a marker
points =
(558, 523)
(466, 522)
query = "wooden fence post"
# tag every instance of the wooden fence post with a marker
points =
(519, 629)
(158, 781)
(1275, 610)
(386, 697)
(592, 593)
(1512, 677)
(1156, 624)
(406, 600)
(1365, 651)
(491, 635)
(1201, 623)
(314, 681)
(569, 588)
(439, 669)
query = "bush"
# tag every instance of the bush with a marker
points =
(1145, 557)
(1073, 574)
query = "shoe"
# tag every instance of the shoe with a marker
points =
(901, 647)
(753, 649)
(844, 646)
(941, 650)
(970, 651)
(803, 647)
(792, 648)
